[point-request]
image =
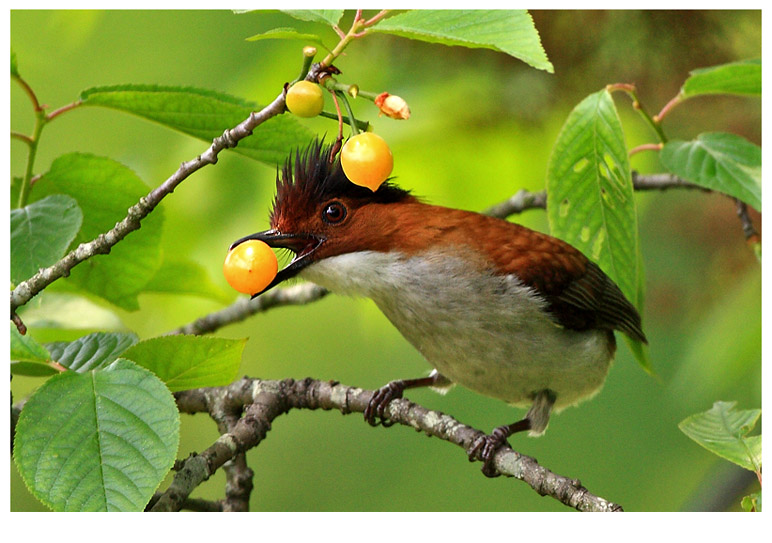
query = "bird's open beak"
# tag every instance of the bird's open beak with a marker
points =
(303, 245)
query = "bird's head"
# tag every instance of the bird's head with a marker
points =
(318, 213)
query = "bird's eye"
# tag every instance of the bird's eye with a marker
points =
(334, 212)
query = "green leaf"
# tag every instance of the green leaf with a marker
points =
(104, 190)
(25, 348)
(14, 65)
(41, 233)
(66, 315)
(590, 200)
(742, 78)
(186, 277)
(185, 362)
(97, 441)
(91, 352)
(590, 193)
(28, 357)
(287, 34)
(718, 161)
(205, 115)
(328, 16)
(724, 431)
(508, 31)
(33, 369)
(752, 502)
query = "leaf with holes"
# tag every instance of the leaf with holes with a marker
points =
(590, 200)
(97, 441)
(590, 192)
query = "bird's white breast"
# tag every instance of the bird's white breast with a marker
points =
(487, 332)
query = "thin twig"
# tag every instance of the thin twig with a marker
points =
(265, 400)
(521, 201)
(662, 181)
(677, 99)
(64, 109)
(242, 308)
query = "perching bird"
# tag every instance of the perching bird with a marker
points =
(500, 309)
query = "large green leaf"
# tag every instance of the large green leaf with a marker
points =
(205, 115)
(724, 431)
(590, 200)
(90, 352)
(104, 190)
(590, 192)
(508, 31)
(718, 161)
(41, 233)
(742, 78)
(185, 362)
(97, 441)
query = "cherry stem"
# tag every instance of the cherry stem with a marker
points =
(336, 147)
(645, 147)
(631, 91)
(354, 127)
(668, 107)
(358, 29)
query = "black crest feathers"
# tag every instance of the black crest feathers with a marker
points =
(310, 179)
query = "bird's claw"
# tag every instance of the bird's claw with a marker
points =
(375, 412)
(484, 449)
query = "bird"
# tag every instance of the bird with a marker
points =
(503, 310)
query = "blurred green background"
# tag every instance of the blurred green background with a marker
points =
(482, 127)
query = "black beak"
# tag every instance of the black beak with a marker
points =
(303, 245)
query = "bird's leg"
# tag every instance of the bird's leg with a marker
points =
(375, 410)
(484, 448)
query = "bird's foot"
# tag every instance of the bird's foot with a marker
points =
(484, 447)
(376, 408)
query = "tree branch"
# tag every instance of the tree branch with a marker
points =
(521, 201)
(263, 401)
(102, 244)
(244, 307)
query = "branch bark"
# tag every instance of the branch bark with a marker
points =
(244, 307)
(263, 401)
